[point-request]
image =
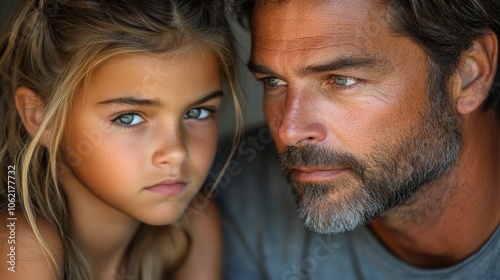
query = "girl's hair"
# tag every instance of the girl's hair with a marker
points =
(53, 47)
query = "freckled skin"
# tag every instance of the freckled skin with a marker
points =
(108, 177)
(384, 105)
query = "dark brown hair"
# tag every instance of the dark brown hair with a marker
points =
(447, 28)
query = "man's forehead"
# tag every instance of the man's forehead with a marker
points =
(305, 30)
(294, 23)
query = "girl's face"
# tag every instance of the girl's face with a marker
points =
(142, 135)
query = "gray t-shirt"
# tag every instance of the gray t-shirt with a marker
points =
(264, 239)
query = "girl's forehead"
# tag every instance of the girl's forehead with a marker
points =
(186, 75)
(175, 57)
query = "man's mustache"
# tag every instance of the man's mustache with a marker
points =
(317, 156)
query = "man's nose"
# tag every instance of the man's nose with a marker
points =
(300, 123)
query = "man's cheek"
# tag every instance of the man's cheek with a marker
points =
(273, 114)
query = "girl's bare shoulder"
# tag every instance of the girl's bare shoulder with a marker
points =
(25, 257)
(204, 225)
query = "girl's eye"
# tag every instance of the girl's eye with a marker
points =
(197, 113)
(129, 119)
(344, 81)
(273, 82)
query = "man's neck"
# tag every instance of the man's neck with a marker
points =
(452, 217)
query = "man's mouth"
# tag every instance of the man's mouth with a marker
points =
(315, 174)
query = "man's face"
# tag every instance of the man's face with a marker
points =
(347, 101)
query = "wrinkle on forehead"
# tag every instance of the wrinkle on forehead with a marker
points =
(294, 26)
(308, 43)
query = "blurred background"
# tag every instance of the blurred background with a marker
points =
(6, 7)
(251, 90)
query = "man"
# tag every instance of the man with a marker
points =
(386, 119)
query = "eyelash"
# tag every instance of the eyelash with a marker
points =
(331, 81)
(211, 113)
(117, 123)
(265, 81)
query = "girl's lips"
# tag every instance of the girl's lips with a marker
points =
(316, 175)
(170, 186)
(168, 189)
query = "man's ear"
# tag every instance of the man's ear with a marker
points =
(476, 73)
(31, 109)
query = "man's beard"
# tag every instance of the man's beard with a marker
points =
(387, 178)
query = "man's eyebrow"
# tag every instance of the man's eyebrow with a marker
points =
(256, 68)
(343, 63)
(333, 65)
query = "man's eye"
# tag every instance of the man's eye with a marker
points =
(273, 82)
(197, 113)
(344, 81)
(129, 119)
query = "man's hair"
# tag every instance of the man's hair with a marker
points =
(444, 28)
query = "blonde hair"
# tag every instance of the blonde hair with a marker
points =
(52, 47)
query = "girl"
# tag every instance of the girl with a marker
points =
(108, 131)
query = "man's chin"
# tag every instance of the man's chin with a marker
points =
(335, 208)
(326, 216)
(327, 224)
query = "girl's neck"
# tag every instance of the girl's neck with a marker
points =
(102, 232)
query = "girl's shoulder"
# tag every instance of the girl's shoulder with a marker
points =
(204, 260)
(25, 257)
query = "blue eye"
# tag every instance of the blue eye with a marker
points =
(273, 82)
(197, 113)
(129, 119)
(344, 81)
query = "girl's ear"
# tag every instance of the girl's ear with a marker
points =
(31, 109)
(477, 73)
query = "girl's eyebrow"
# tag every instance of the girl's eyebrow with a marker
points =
(155, 102)
(211, 95)
(132, 101)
